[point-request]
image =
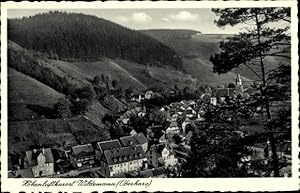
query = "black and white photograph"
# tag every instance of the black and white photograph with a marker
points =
(150, 93)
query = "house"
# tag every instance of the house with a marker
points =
(153, 154)
(168, 157)
(142, 112)
(173, 129)
(190, 112)
(161, 155)
(38, 163)
(122, 160)
(163, 139)
(149, 94)
(155, 132)
(138, 98)
(82, 156)
(142, 140)
(133, 132)
(106, 145)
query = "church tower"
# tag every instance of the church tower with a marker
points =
(239, 85)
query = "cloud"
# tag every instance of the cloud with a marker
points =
(165, 19)
(122, 19)
(184, 16)
(138, 18)
(141, 17)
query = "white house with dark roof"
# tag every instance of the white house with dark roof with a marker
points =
(122, 160)
(39, 163)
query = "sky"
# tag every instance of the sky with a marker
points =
(196, 19)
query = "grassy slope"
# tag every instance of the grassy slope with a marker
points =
(24, 90)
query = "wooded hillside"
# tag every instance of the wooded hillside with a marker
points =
(72, 36)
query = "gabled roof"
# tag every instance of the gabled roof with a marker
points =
(140, 138)
(31, 157)
(106, 145)
(187, 120)
(124, 154)
(83, 150)
(128, 141)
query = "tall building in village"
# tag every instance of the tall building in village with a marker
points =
(221, 94)
(121, 156)
(37, 163)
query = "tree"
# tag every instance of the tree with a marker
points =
(63, 108)
(86, 92)
(97, 80)
(80, 106)
(216, 148)
(128, 92)
(251, 48)
(114, 83)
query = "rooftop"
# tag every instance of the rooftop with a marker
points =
(106, 145)
(128, 141)
(140, 138)
(31, 156)
(83, 150)
(124, 154)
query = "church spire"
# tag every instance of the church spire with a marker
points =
(238, 80)
(239, 84)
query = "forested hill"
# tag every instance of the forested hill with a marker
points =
(72, 36)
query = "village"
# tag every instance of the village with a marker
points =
(158, 152)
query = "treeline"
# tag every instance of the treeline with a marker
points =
(72, 36)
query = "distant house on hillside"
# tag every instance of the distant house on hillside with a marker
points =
(138, 98)
(149, 94)
(82, 156)
(38, 163)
